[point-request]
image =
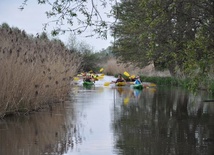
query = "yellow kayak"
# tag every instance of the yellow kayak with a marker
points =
(120, 83)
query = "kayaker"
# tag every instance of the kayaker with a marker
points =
(119, 79)
(88, 78)
(95, 77)
(137, 80)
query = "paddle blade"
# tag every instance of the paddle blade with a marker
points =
(107, 83)
(100, 77)
(101, 69)
(126, 74)
(76, 78)
(133, 77)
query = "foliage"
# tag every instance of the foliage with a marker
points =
(162, 34)
(90, 60)
(78, 15)
(167, 81)
(127, 32)
(177, 35)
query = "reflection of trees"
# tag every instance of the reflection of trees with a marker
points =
(43, 133)
(164, 125)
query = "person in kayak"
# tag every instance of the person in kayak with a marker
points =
(119, 79)
(137, 80)
(88, 78)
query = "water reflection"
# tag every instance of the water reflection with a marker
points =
(115, 120)
(164, 121)
(40, 133)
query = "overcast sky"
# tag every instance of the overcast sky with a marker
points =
(32, 18)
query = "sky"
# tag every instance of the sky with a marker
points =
(32, 18)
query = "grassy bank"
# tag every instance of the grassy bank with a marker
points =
(148, 74)
(185, 83)
(34, 71)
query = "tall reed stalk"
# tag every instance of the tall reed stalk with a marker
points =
(33, 71)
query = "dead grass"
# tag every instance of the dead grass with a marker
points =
(33, 71)
(150, 71)
(112, 67)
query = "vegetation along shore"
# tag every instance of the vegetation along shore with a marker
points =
(36, 71)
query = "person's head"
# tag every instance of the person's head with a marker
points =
(119, 75)
(137, 77)
(88, 75)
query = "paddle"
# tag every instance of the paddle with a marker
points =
(128, 75)
(100, 77)
(133, 76)
(76, 79)
(101, 69)
(107, 83)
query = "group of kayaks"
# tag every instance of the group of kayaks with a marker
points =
(134, 86)
(120, 84)
(131, 84)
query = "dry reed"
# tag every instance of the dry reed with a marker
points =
(34, 71)
(112, 67)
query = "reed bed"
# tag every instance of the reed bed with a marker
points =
(34, 72)
(112, 67)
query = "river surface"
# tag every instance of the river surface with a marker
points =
(109, 120)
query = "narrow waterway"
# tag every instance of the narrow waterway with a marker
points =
(115, 120)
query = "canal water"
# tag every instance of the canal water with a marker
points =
(109, 120)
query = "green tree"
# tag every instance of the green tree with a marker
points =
(162, 31)
(85, 51)
(177, 35)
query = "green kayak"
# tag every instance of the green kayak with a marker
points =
(85, 83)
(137, 86)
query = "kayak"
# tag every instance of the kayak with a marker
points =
(86, 83)
(137, 86)
(120, 83)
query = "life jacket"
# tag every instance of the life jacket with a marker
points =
(119, 80)
(137, 82)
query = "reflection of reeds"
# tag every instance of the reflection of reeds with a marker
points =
(45, 133)
(33, 71)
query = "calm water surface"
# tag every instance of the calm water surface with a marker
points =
(113, 121)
